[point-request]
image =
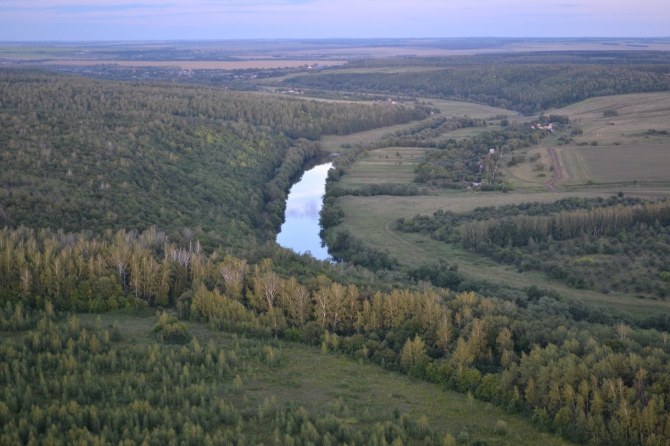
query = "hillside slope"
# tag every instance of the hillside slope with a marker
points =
(81, 154)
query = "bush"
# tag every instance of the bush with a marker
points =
(610, 113)
(463, 437)
(176, 333)
(501, 428)
(449, 440)
(170, 330)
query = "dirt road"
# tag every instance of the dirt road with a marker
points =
(558, 173)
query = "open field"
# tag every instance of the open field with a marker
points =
(330, 48)
(637, 113)
(626, 151)
(333, 143)
(319, 382)
(456, 108)
(448, 108)
(387, 165)
(466, 132)
(526, 175)
(626, 164)
(390, 207)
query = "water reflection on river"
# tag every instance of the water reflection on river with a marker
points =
(300, 231)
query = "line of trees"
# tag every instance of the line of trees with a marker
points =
(518, 231)
(612, 245)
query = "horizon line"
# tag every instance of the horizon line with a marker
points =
(265, 39)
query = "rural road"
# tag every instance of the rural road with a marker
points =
(558, 173)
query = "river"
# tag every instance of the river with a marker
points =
(300, 231)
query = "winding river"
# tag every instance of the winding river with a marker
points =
(300, 231)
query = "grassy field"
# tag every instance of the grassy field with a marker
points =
(455, 108)
(391, 208)
(626, 151)
(626, 164)
(339, 49)
(387, 165)
(334, 143)
(526, 175)
(636, 113)
(363, 392)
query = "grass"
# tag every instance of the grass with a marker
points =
(333, 143)
(390, 208)
(387, 165)
(361, 392)
(525, 172)
(624, 152)
(627, 164)
(472, 110)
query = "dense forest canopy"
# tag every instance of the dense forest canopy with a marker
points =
(87, 154)
(526, 88)
(539, 57)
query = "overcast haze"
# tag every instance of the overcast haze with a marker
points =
(239, 19)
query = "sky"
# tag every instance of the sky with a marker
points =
(90, 20)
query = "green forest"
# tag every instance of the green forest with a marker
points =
(608, 245)
(124, 200)
(525, 88)
(574, 370)
(81, 154)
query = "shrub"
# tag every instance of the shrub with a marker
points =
(176, 333)
(170, 330)
(463, 437)
(501, 428)
(449, 441)
(610, 113)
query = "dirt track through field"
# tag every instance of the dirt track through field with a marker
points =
(558, 173)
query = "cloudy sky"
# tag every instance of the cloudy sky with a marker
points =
(233, 19)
